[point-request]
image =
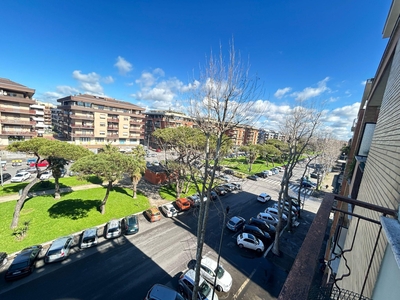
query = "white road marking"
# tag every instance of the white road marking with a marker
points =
(244, 285)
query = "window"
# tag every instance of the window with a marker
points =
(84, 139)
(125, 134)
(102, 124)
(102, 116)
(100, 140)
(101, 107)
(126, 118)
(102, 133)
(125, 126)
(133, 140)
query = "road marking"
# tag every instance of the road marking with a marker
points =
(244, 285)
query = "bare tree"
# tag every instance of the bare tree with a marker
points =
(224, 96)
(299, 128)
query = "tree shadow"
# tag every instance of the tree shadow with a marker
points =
(121, 190)
(94, 179)
(73, 209)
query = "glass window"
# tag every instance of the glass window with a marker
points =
(102, 124)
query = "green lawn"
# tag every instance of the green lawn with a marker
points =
(75, 211)
(240, 164)
(13, 188)
(169, 193)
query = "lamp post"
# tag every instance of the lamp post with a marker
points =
(226, 212)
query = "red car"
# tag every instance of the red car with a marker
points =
(43, 163)
(183, 204)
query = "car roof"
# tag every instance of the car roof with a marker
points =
(264, 194)
(159, 291)
(190, 275)
(210, 263)
(248, 235)
(90, 232)
(59, 243)
(236, 219)
(113, 223)
(24, 255)
(168, 205)
(153, 209)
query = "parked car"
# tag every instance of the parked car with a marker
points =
(307, 184)
(209, 269)
(130, 224)
(249, 241)
(3, 259)
(89, 238)
(153, 214)
(113, 229)
(274, 212)
(315, 175)
(195, 200)
(235, 223)
(274, 171)
(221, 191)
(268, 218)
(263, 225)
(24, 263)
(186, 283)
(286, 210)
(253, 177)
(229, 187)
(262, 175)
(162, 292)
(268, 172)
(182, 204)
(59, 249)
(263, 197)
(237, 185)
(5, 177)
(224, 178)
(228, 172)
(169, 210)
(46, 175)
(213, 195)
(257, 232)
(20, 177)
(22, 170)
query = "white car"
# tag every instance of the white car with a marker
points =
(209, 270)
(169, 210)
(263, 197)
(22, 176)
(274, 212)
(268, 218)
(249, 241)
(268, 172)
(46, 175)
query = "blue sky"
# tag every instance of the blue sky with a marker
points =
(147, 52)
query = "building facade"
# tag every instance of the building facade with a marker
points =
(160, 119)
(16, 112)
(93, 121)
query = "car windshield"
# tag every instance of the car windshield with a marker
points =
(18, 266)
(204, 289)
(231, 223)
(220, 272)
(54, 252)
(89, 239)
(113, 229)
(19, 175)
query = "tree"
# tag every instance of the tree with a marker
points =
(109, 165)
(135, 166)
(223, 98)
(268, 152)
(299, 127)
(57, 155)
(252, 152)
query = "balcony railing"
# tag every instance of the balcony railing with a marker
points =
(82, 134)
(73, 116)
(73, 125)
(113, 120)
(18, 133)
(15, 121)
(112, 134)
(299, 283)
(112, 128)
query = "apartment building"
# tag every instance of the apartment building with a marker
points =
(93, 121)
(363, 245)
(160, 119)
(38, 118)
(15, 112)
(264, 135)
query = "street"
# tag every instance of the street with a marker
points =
(126, 267)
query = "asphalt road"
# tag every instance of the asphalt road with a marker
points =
(126, 267)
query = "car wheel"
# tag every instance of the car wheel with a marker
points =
(258, 250)
(219, 288)
(240, 246)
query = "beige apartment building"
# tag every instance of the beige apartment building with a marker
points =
(16, 112)
(93, 121)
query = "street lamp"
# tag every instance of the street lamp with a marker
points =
(225, 213)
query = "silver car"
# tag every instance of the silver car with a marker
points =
(59, 249)
(113, 229)
(89, 238)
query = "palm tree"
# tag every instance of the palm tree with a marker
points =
(136, 165)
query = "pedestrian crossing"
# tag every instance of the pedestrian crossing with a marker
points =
(292, 186)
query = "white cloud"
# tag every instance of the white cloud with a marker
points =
(281, 92)
(61, 91)
(363, 82)
(108, 79)
(310, 92)
(154, 88)
(89, 83)
(123, 65)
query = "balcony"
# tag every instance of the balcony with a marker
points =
(112, 128)
(304, 279)
(109, 134)
(18, 133)
(81, 134)
(16, 121)
(87, 117)
(113, 120)
(135, 129)
(75, 125)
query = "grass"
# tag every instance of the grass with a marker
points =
(13, 188)
(240, 164)
(75, 211)
(169, 192)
